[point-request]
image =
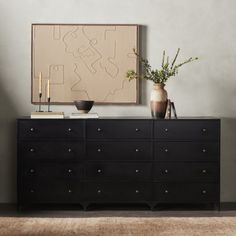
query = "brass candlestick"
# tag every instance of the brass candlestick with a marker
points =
(49, 104)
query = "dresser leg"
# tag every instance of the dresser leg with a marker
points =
(85, 206)
(152, 206)
(19, 207)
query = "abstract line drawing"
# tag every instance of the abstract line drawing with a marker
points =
(56, 32)
(85, 61)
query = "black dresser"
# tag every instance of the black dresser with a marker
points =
(118, 160)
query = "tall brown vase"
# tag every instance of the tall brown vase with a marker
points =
(158, 101)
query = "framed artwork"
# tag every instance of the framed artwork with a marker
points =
(84, 62)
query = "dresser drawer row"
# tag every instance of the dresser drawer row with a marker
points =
(140, 172)
(117, 192)
(120, 150)
(120, 129)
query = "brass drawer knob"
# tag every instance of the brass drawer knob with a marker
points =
(137, 171)
(204, 171)
(166, 130)
(204, 130)
(166, 191)
(203, 150)
(99, 150)
(99, 191)
(204, 191)
(136, 150)
(69, 191)
(137, 191)
(32, 171)
(166, 150)
(99, 171)
(31, 149)
(69, 170)
(69, 129)
(69, 150)
(31, 129)
(137, 129)
(166, 171)
(99, 129)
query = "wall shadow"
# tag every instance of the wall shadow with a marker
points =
(8, 147)
(228, 159)
(143, 52)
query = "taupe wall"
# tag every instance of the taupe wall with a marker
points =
(203, 28)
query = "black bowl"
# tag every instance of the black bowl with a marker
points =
(83, 106)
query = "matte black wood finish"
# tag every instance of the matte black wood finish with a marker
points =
(118, 160)
(126, 129)
(110, 150)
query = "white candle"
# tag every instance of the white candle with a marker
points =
(48, 90)
(40, 82)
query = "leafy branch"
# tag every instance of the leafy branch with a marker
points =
(158, 76)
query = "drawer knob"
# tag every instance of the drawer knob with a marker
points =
(32, 171)
(69, 191)
(137, 191)
(204, 130)
(166, 191)
(204, 171)
(69, 170)
(137, 129)
(99, 129)
(203, 150)
(136, 150)
(31, 149)
(99, 191)
(99, 149)
(166, 171)
(166, 130)
(166, 150)
(32, 129)
(69, 129)
(137, 171)
(31, 191)
(204, 191)
(69, 149)
(99, 171)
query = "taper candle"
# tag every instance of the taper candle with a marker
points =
(40, 82)
(48, 90)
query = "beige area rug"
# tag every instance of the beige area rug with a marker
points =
(112, 226)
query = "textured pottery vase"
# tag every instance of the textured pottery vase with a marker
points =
(158, 101)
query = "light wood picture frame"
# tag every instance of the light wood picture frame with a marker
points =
(85, 62)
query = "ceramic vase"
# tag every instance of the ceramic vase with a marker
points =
(158, 101)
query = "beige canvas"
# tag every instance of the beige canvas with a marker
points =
(84, 62)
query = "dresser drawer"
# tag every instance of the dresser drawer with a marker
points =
(101, 171)
(187, 151)
(50, 128)
(112, 129)
(187, 129)
(120, 191)
(136, 150)
(35, 170)
(186, 172)
(50, 192)
(186, 193)
(51, 150)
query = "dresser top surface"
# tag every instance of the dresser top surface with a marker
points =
(129, 118)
